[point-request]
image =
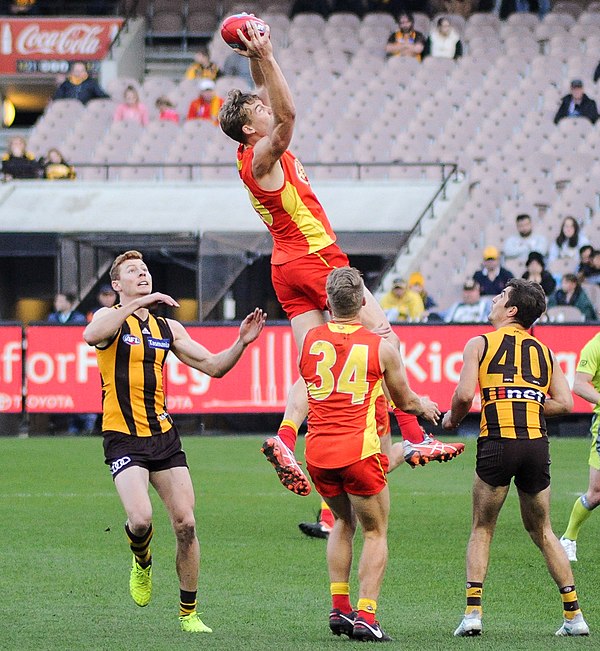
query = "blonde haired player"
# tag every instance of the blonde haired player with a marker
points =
(304, 244)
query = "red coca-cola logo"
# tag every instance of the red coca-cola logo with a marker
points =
(75, 39)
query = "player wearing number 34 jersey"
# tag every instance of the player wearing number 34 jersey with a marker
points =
(343, 365)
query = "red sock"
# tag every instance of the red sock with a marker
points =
(326, 516)
(409, 426)
(367, 616)
(288, 433)
(341, 602)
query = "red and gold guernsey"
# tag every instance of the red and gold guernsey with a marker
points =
(293, 214)
(131, 367)
(514, 377)
(340, 365)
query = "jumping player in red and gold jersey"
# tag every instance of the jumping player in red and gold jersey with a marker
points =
(141, 443)
(304, 248)
(344, 365)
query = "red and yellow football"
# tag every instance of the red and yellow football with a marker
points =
(231, 24)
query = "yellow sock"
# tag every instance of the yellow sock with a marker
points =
(367, 605)
(340, 596)
(568, 595)
(474, 593)
(339, 588)
(579, 515)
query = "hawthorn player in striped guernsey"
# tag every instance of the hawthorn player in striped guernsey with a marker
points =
(141, 443)
(304, 244)
(521, 384)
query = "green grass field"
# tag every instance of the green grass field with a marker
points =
(64, 561)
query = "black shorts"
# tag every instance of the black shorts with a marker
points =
(527, 460)
(154, 453)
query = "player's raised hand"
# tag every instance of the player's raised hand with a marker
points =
(258, 45)
(156, 298)
(252, 326)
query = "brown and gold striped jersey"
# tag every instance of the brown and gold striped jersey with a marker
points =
(514, 377)
(131, 367)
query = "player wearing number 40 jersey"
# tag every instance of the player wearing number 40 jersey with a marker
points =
(343, 365)
(304, 243)
(515, 373)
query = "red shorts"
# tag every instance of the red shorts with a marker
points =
(300, 284)
(382, 416)
(365, 477)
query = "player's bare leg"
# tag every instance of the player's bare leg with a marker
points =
(279, 449)
(174, 487)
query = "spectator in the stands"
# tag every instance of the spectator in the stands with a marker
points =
(539, 7)
(131, 109)
(401, 303)
(569, 241)
(79, 85)
(571, 293)
(64, 313)
(55, 167)
(492, 278)
(577, 105)
(518, 247)
(584, 268)
(106, 297)
(536, 271)
(166, 110)
(405, 41)
(443, 41)
(23, 7)
(594, 272)
(203, 67)
(207, 105)
(473, 308)
(237, 66)
(416, 282)
(18, 163)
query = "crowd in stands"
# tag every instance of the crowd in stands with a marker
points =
(525, 253)
(528, 255)
(18, 163)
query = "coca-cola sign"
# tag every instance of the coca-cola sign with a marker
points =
(34, 45)
(74, 40)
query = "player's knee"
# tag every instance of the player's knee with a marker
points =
(593, 497)
(139, 522)
(185, 530)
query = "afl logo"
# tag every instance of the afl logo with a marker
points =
(131, 340)
(300, 171)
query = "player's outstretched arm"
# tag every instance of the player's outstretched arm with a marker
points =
(107, 321)
(560, 400)
(583, 387)
(194, 354)
(272, 83)
(396, 381)
(467, 384)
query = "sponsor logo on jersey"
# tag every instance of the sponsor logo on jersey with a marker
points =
(514, 393)
(131, 340)
(158, 343)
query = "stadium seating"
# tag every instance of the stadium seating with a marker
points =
(492, 111)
